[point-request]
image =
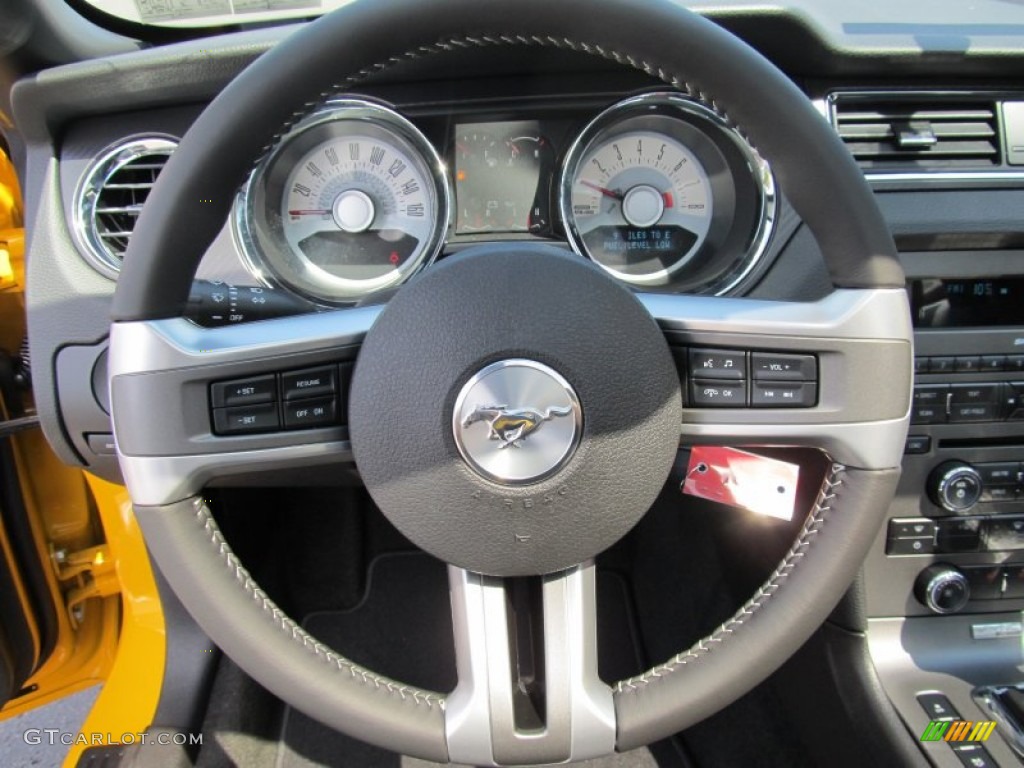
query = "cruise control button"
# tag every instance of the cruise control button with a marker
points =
(245, 419)
(310, 382)
(258, 389)
(966, 394)
(718, 364)
(718, 394)
(304, 414)
(784, 394)
(768, 366)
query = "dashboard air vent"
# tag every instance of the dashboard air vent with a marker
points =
(924, 131)
(111, 196)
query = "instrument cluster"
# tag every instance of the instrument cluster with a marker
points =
(355, 199)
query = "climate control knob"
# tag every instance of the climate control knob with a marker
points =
(955, 486)
(942, 588)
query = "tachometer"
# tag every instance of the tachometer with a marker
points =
(659, 191)
(642, 204)
(353, 200)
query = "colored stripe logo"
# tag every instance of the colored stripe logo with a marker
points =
(958, 730)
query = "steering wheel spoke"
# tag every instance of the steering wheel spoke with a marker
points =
(170, 425)
(526, 653)
(857, 338)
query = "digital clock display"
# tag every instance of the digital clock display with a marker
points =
(967, 302)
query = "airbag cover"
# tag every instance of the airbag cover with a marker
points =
(514, 302)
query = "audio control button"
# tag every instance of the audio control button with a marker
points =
(718, 394)
(958, 535)
(918, 444)
(986, 581)
(941, 364)
(993, 363)
(911, 529)
(970, 394)
(971, 364)
(1001, 473)
(1004, 534)
(942, 588)
(718, 364)
(959, 413)
(999, 493)
(928, 414)
(931, 394)
(1014, 586)
(955, 486)
(910, 547)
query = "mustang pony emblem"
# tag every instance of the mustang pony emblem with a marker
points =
(512, 425)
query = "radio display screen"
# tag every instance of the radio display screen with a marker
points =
(967, 302)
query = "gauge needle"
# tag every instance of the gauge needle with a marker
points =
(615, 195)
(308, 212)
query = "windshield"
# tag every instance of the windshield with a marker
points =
(904, 22)
(205, 13)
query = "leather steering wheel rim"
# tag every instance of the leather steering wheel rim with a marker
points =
(334, 53)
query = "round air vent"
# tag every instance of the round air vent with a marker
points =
(111, 196)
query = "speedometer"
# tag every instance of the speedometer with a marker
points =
(353, 201)
(660, 191)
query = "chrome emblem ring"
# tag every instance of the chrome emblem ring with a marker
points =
(517, 422)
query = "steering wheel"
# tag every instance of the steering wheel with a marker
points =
(497, 316)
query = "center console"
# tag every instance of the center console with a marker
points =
(945, 579)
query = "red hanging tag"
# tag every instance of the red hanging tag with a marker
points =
(740, 479)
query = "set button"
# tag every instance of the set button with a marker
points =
(258, 389)
(309, 397)
(245, 419)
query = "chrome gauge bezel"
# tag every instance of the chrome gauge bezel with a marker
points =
(284, 267)
(722, 262)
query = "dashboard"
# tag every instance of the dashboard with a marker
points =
(365, 193)
(356, 198)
